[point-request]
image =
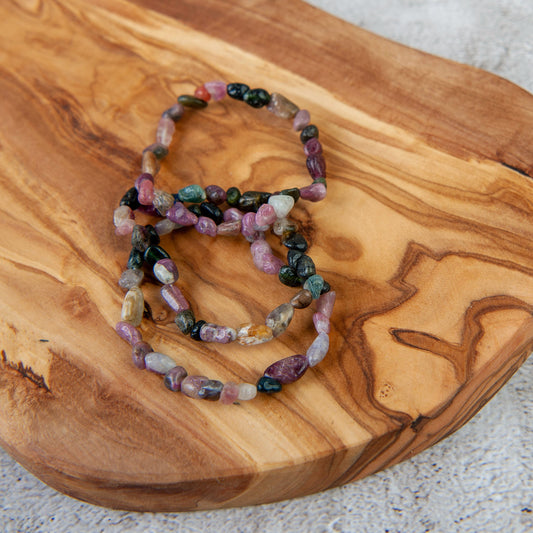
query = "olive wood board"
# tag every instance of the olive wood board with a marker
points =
(425, 235)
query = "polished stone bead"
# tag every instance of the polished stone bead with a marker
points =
(326, 287)
(289, 369)
(259, 248)
(302, 299)
(293, 192)
(217, 89)
(272, 264)
(206, 226)
(325, 303)
(130, 199)
(130, 278)
(232, 228)
(268, 385)
(278, 320)
(232, 214)
(314, 192)
(146, 192)
(192, 385)
(305, 267)
(237, 90)
(215, 194)
(308, 132)
(251, 200)
(281, 106)
(314, 284)
(212, 211)
(145, 176)
(138, 353)
(247, 391)
(301, 120)
(188, 100)
(122, 213)
(295, 241)
(135, 260)
(158, 362)
(254, 334)
(232, 196)
(166, 271)
(174, 378)
(282, 204)
(128, 332)
(202, 93)
(159, 150)
(149, 210)
(165, 131)
(153, 254)
(133, 306)
(174, 298)
(150, 163)
(179, 214)
(288, 276)
(312, 147)
(210, 390)
(163, 201)
(195, 209)
(318, 349)
(166, 226)
(216, 333)
(256, 98)
(195, 330)
(185, 321)
(293, 256)
(192, 193)
(174, 113)
(284, 225)
(230, 393)
(248, 228)
(321, 323)
(125, 227)
(143, 236)
(316, 165)
(265, 216)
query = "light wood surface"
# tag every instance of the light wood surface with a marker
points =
(425, 235)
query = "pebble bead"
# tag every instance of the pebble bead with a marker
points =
(133, 306)
(158, 362)
(143, 236)
(282, 204)
(302, 299)
(232, 214)
(287, 275)
(237, 90)
(289, 369)
(266, 215)
(146, 192)
(252, 200)
(195, 208)
(247, 391)
(185, 321)
(166, 226)
(179, 214)
(163, 201)
(192, 385)
(159, 150)
(318, 349)
(229, 228)
(248, 227)
(305, 268)
(206, 226)
(138, 353)
(312, 147)
(308, 132)
(215, 194)
(293, 256)
(174, 113)
(284, 225)
(174, 298)
(202, 93)
(174, 377)
(301, 120)
(256, 98)
(314, 192)
(188, 100)
(128, 332)
(210, 390)
(192, 193)
(130, 278)
(314, 284)
(217, 89)
(316, 165)
(130, 198)
(166, 271)
(233, 196)
(135, 260)
(165, 131)
(295, 241)
(271, 264)
(230, 393)
(279, 319)
(196, 328)
(153, 254)
(325, 303)
(321, 322)
(268, 385)
(216, 333)
(150, 163)
(122, 213)
(293, 192)
(212, 211)
(254, 334)
(281, 106)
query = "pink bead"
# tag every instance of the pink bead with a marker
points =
(314, 192)
(272, 264)
(128, 332)
(321, 323)
(174, 298)
(121, 214)
(215, 194)
(312, 147)
(229, 228)
(165, 131)
(125, 228)
(217, 89)
(206, 226)
(146, 192)
(301, 120)
(229, 393)
(265, 216)
(179, 214)
(248, 227)
(325, 303)
(143, 177)
(232, 214)
(139, 352)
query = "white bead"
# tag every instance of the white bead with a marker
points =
(133, 306)
(247, 391)
(318, 349)
(121, 214)
(159, 362)
(282, 204)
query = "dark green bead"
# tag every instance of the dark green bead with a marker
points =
(195, 330)
(321, 180)
(237, 90)
(192, 193)
(212, 211)
(305, 267)
(292, 257)
(154, 236)
(136, 259)
(185, 321)
(295, 241)
(250, 201)
(232, 196)
(159, 150)
(325, 288)
(308, 133)
(140, 238)
(211, 390)
(131, 199)
(293, 191)
(153, 254)
(256, 97)
(268, 385)
(288, 276)
(195, 208)
(188, 100)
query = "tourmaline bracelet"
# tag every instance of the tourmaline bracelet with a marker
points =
(249, 214)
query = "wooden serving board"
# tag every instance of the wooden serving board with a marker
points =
(426, 236)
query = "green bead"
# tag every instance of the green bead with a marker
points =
(308, 133)
(232, 196)
(288, 276)
(185, 321)
(305, 267)
(295, 241)
(256, 97)
(250, 201)
(191, 101)
(268, 385)
(136, 259)
(153, 254)
(320, 180)
(192, 193)
(293, 191)
(195, 208)
(314, 285)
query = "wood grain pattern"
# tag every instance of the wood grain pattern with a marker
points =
(425, 234)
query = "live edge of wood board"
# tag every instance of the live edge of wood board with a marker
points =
(425, 235)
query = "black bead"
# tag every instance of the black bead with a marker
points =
(325, 288)
(293, 191)
(250, 201)
(131, 199)
(305, 267)
(191, 101)
(292, 257)
(268, 385)
(140, 238)
(211, 390)
(153, 254)
(154, 236)
(195, 208)
(232, 196)
(295, 241)
(185, 321)
(136, 259)
(288, 276)
(195, 330)
(308, 133)
(237, 90)
(256, 98)
(212, 211)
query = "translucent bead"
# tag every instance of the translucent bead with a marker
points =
(174, 298)
(174, 378)
(314, 284)
(215, 333)
(217, 89)
(232, 214)
(163, 201)
(214, 193)
(128, 332)
(143, 236)
(325, 303)
(279, 319)
(138, 353)
(146, 192)
(166, 271)
(150, 164)
(316, 165)
(282, 204)
(230, 393)
(145, 176)
(131, 278)
(122, 213)
(247, 391)
(259, 249)
(206, 226)
(254, 334)
(192, 385)
(166, 226)
(283, 225)
(192, 193)
(159, 150)
(281, 106)
(133, 306)
(321, 322)
(202, 93)
(174, 113)
(302, 299)
(265, 216)
(159, 362)
(165, 131)
(179, 214)
(301, 120)
(248, 227)
(312, 147)
(314, 192)
(125, 227)
(318, 349)
(289, 369)
(229, 228)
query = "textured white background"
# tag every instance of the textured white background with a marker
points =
(478, 480)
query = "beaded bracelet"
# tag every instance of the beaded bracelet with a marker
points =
(250, 214)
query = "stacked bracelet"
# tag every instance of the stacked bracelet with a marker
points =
(214, 211)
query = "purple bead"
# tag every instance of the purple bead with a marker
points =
(321, 323)
(179, 214)
(146, 193)
(166, 226)
(192, 385)
(301, 120)
(215, 194)
(316, 165)
(289, 369)
(175, 112)
(148, 210)
(217, 89)
(174, 377)
(232, 214)
(260, 249)
(138, 353)
(143, 177)
(165, 131)
(128, 332)
(215, 333)
(166, 271)
(318, 349)
(314, 192)
(248, 227)
(206, 226)
(325, 303)
(158, 362)
(272, 264)
(312, 147)
(265, 216)
(174, 298)
(229, 228)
